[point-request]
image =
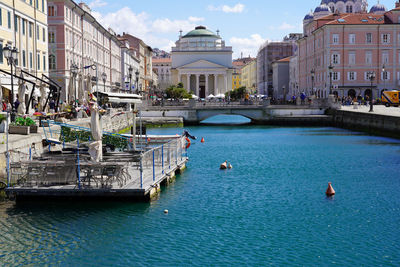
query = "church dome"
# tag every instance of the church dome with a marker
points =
(322, 8)
(309, 16)
(378, 8)
(201, 31)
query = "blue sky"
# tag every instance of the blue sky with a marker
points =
(244, 24)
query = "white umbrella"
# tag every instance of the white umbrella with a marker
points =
(21, 95)
(220, 96)
(96, 147)
(43, 96)
(210, 96)
(71, 89)
(195, 97)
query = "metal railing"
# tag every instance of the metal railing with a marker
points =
(121, 170)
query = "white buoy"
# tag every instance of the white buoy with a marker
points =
(165, 211)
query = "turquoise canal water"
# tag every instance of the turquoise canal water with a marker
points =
(269, 209)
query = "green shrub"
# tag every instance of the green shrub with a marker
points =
(21, 121)
(2, 118)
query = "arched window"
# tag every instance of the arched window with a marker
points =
(52, 62)
(349, 9)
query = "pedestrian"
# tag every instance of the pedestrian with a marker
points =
(16, 103)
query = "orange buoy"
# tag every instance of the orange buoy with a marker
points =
(330, 191)
(148, 140)
(188, 143)
(202, 140)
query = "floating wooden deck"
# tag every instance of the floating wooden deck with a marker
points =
(70, 174)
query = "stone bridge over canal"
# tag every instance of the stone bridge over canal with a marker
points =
(258, 114)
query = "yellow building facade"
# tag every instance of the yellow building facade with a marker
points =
(249, 76)
(236, 81)
(23, 24)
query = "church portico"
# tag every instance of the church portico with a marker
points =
(203, 71)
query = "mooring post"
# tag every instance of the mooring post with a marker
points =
(154, 171)
(162, 158)
(78, 167)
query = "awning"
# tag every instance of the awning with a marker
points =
(122, 98)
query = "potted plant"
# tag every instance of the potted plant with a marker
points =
(19, 127)
(3, 121)
(32, 125)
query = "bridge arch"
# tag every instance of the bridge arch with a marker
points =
(252, 114)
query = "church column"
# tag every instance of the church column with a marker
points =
(188, 82)
(226, 83)
(197, 85)
(206, 90)
(215, 84)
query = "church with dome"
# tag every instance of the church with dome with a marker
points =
(202, 62)
(328, 7)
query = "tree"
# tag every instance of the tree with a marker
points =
(237, 94)
(177, 92)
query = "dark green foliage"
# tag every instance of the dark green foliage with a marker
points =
(2, 118)
(70, 135)
(21, 121)
(237, 94)
(177, 92)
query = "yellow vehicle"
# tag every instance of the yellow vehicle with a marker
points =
(391, 98)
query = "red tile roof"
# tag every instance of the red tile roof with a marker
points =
(363, 18)
(286, 59)
(162, 60)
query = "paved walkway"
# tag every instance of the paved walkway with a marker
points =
(378, 109)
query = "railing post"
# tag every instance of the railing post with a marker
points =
(176, 153)
(78, 165)
(162, 158)
(154, 171)
(169, 155)
(141, 172)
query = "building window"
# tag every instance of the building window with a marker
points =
(1, 52)
(335, 76)
(51, 11)
(16, 23)
(385, 75)
(30, 60)
(30, 29)
(52, 37)
(368, 38)
(335, 59)
(52, 62)
(335, 38)
(352, 58)
(1, 17)
(44, 35)
(9, 19)
(385, 38)
(368, 57)
(44, 62)
(352, 76)
(37, 32)
(38, 61)
(37, 4)
(30, 2)
(349, 9)
(385, 57)
(23, 58)
(43, 6)
(23, 26)
(352, 38)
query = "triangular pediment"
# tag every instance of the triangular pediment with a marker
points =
(202, 64)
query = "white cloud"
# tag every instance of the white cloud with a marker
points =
(97, 3)
(195, 19)
(238, 8)
(247, 46)
(142, 26)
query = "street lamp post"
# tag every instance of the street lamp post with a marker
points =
(312, 80)
(330, 67)
(10, 53)
(384, 76)
(137, 81)
(371, 77)
(74, 71)
(130, 70)
(104, 77)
